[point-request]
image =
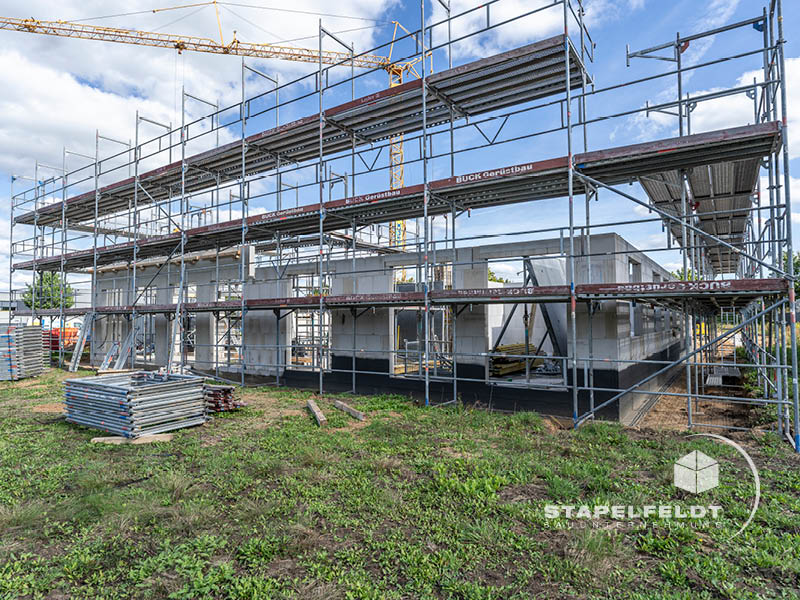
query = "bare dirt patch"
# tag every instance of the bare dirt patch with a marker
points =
(352, 425)
(29, 382)
(523, 493)
(554, 424)
(672, 412)
(52, 407)
(285, 567)
(450, 451)
(272, 408)
(211, 441)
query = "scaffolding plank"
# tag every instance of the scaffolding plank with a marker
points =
(740, 290)
(509, 78)
(695, 289)
(492, 187)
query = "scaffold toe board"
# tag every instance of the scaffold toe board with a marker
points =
(727, 292)
(731, 292)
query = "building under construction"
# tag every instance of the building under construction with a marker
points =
(258, 245)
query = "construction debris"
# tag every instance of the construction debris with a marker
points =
(22, 351)
(220, 398)
(312, 406)
(135, 404)
(504, 365)
(114, 371)
(349, 410)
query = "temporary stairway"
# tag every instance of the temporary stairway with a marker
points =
(127, 346)
(112, 352)
(83, 335)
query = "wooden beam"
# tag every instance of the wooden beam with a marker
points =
(312, 406)
(349, 410)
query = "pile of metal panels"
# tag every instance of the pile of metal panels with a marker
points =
(220, 398)
(22, 352)
(135, 404)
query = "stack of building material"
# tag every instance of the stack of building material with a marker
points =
(220, 398)
(33, 351)
(504, 365)
(22, 351)
(135, 404)
(9, 361)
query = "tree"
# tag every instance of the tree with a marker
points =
(46, 292)
(679, 275)
(796, 262)
(496, 278)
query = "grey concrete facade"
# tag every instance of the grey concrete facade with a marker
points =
(621, 331)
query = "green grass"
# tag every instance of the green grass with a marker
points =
(416, 503)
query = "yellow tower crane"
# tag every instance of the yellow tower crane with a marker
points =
(236, 47)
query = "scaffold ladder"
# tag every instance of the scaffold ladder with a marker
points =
(83, 334)
(174, 361)
(112, 352)
(126, 347)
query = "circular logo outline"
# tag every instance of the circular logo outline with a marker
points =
(753, 470)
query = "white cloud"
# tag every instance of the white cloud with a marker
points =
(45, 110)
(546, 22)
(507, 270)
(57, 91)
(716, 14)
(650, 241)
(794, 191)
(540, 24)
(736, 110)
(719, 113)
(602, 11)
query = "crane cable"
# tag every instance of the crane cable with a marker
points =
(201, 4)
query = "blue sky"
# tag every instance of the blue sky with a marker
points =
(65, 86)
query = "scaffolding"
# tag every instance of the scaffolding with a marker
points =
(268, 210)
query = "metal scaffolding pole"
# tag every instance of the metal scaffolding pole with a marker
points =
(789, 247)
(573, 353)
(244, 200)
(425, 200)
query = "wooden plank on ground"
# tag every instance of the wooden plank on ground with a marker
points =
(115, 371)
(312, 406)
(349, 410)
(145, 439)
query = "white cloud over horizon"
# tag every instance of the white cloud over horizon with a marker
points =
(545, 22)
(57, 91)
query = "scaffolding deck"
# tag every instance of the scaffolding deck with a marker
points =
(716, 293)
(721, 197)
(495, 187)
(528, 73)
